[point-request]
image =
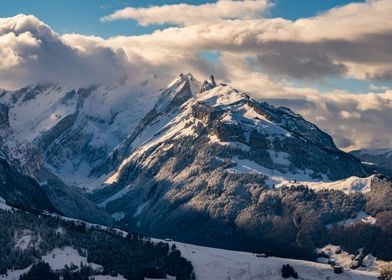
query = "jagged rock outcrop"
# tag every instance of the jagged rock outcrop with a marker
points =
(207, 85)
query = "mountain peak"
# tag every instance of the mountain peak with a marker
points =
(177, 92)
(181, 78)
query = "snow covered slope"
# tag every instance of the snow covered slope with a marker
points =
(75, 128)
(58, 258)
(217, 264)
(4, 205)
(45, 192)
(349, 185)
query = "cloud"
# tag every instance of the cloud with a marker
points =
(349, 45)
(353, 40)
(31, 52)
(299, 61)
(14, 49)
(186, 14)
(374, 87)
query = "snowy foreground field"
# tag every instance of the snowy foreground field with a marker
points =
(219, 264)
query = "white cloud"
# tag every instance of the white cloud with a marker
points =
(374, 87)
(31, 52)
(352, 40)
(185, 14)
(14, 49)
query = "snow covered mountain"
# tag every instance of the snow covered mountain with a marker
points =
(74, 129)
(274, 138)
(27, 179)
(208, 164)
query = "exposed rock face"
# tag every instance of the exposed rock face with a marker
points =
(204, 169)
(295, 124)
(206, 113)
(207, 85)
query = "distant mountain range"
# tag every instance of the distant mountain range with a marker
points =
(376, 160)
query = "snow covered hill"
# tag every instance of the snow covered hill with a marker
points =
(219, 264)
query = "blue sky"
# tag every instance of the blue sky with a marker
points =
(68, 16)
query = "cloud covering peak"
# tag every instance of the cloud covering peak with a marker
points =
(32, 52)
